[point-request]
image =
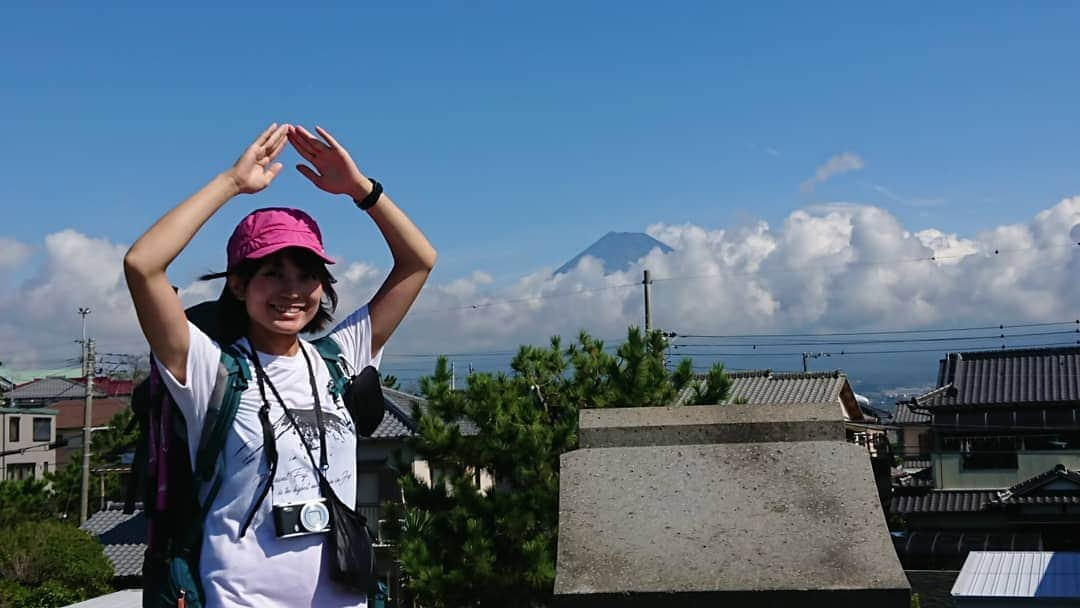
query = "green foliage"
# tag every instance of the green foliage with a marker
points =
(915, 601)
(106, 448)
(464, 542)
(26, 500)
(391, 381)
(47, 564)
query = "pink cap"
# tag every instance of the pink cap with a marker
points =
(267, 231)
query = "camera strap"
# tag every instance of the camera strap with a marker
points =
(269, 442)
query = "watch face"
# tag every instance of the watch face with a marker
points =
(314, 517)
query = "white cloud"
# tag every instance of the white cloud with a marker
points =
(825, 267)
(837, 165)
(13, 254)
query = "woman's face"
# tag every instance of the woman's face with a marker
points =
(281, 299)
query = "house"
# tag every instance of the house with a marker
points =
(756, 387)
(43, 392)
(26, 442)
(991, 456)
(998, 417)
(112, 387)
(1039, 513)
(72, 416)
(123, 537)
(5, 385)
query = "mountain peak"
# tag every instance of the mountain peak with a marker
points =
(617, 250)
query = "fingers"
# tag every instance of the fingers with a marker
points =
(329, 138)
(274, 170)
(316, 144)
(276, 142)
(265, 136)
(301, 143)
(307, 172)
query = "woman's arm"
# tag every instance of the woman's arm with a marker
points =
(414, 257)
(161, 315)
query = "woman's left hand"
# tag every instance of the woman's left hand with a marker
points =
(335, 172)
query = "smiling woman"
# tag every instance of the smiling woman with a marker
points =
(278, 287)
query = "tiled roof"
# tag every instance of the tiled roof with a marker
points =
(1025, 491)
(398, 422)
(918, 480)
(123, 537)
(72, 412)
(111, 386)
(942, 501)
(767, 386)
(904, 415)
(1034, 375)
(50, 389)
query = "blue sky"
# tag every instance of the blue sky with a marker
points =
(517, 135)
(532, 131)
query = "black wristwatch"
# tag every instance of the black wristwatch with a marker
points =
(373, 197)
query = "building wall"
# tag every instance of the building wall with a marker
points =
(950, 475)
(42, 460)
(910, 440)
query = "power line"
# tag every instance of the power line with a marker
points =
(843, 353)
(890, 341)
(1001, 327)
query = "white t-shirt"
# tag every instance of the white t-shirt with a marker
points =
(259, 569)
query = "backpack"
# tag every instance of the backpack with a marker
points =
(176, 493)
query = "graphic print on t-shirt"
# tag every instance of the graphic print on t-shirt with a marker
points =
(296, 479)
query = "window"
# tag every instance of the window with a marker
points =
(20, 471)
(367, 488)
(42, 429)
(989, 452)
(13, 429)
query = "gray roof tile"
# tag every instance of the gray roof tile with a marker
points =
(942, 501)
(127, 560)
(904, 415)
(123, 537)
(1011, 376)
(51, 389)
(766, 386)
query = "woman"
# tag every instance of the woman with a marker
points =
(278, 286)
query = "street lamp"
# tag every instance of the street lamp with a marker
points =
(83, 311)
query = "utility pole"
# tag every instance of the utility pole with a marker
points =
(648, 302)
(84, 498)
(83, 312)
(806, 356)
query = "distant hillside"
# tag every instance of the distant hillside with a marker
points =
(617, 250)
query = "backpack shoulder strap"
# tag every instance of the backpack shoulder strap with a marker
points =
(335, 362)
(232, 380)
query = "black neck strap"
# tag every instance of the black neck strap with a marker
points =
(269, 443)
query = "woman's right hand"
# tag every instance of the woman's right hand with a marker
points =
(254, 171)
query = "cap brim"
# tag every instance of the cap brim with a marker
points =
(262, 252)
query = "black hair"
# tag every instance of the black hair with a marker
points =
(232, 317)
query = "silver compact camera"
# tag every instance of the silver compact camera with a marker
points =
(301, 518)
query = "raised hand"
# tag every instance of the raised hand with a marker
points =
(335, 172)
(253, 171)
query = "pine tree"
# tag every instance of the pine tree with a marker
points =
(464, 543)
